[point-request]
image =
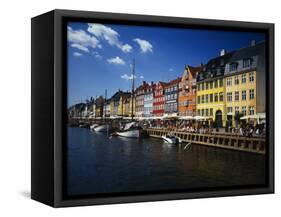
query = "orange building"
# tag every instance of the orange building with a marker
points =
(187, 91)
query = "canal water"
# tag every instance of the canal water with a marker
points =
(99, 164)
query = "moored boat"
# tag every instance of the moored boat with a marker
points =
(132, 133)
(171, 139)
(130, 130)
(92, 127)
(102, 128)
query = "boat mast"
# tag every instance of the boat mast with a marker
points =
(104, 104)
(133, 88)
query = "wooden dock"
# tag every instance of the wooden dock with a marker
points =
(233, 142)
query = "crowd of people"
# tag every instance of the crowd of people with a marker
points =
(243, 129)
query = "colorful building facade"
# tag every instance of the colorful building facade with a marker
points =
(148, 100)
(210, 95)
(139, 102)
(171, 97)
(187, 91)
(244, 72)
(159, 99)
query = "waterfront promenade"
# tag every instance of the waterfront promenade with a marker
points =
(218, 140)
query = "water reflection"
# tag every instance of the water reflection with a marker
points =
(99, 164)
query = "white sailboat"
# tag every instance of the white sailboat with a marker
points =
(131, 130)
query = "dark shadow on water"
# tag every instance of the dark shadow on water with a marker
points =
(25, 194)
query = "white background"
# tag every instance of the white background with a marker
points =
(15, 106)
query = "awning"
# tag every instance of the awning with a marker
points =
(172, 115)
(249, 117)
(198, 118)
(186, 118)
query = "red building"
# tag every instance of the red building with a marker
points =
(159, 99)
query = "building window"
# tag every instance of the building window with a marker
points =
(229, 96)
(236, 95)
(236, 110)
(252, 94)
(244, 95)
(216, 97)
(251, 110)
(202, 112)
(198, 87)
(221, 82)
(244, 110)
(211, 97)
(202, 99)
(251, 76)
(233, 67)
(207, 112)
(236, 80)
(198, 112)
(216, 83)
(202, 87)
(229, 82)
(198, 100)
(207, 86)
(221, 96)
(246, 63)
(211, 112)
(229, 110)
(211, 84)
(244, 78)
(207, 98)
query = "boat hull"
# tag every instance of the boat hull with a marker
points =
(169, 140)
(92, 127)
(129, 134)
(102, 128)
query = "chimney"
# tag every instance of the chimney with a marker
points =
(223, 52)
(253, 43)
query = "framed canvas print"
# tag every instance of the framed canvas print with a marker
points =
(131, 108)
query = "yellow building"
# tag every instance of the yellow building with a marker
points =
(232, 86)
(127, 106)
(210, 95)
(124, 104)
(240, 96)
(245, 85)
(210, 101)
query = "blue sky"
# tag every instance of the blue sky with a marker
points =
(100, 55)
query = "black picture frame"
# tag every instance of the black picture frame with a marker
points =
(48, 67)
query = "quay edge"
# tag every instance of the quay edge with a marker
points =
(238, 143)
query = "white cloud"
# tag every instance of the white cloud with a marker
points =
(77, 54)
(171, 69)
(145, 46)
(126, 48)
(80, 47)
(141, 77)
(82, 38)
(128, 77)
(108, 34)
(116, 60)
(97, 55)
